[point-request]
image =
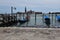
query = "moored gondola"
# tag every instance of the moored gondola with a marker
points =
(47, 21)
(26, 19)
(58, 18)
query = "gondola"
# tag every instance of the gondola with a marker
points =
(23, 21)
(47, 20)
(26, 19)
(58, 18)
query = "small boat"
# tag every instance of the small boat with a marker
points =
(23, 20)
(47, 20)
(58, 18)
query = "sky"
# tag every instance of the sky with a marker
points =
(35, 5)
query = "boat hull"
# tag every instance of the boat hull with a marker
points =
(23, 21)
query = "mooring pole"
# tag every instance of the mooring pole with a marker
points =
(52, 19)
(55, 19)
(35, 18)
(26, 14)
(49, 17)
(43, 18)
(23, 15)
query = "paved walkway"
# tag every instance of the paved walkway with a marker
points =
(19, 33)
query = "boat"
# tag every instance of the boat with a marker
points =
(58, 18)
(47, 20)
(23, 20)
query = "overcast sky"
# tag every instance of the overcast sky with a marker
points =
(35, 5)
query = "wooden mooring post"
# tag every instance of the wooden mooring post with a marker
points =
(35, 18)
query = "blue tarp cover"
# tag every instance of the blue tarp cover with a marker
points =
(58, 17)
(46, 16)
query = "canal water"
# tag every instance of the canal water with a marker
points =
(40, 20)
